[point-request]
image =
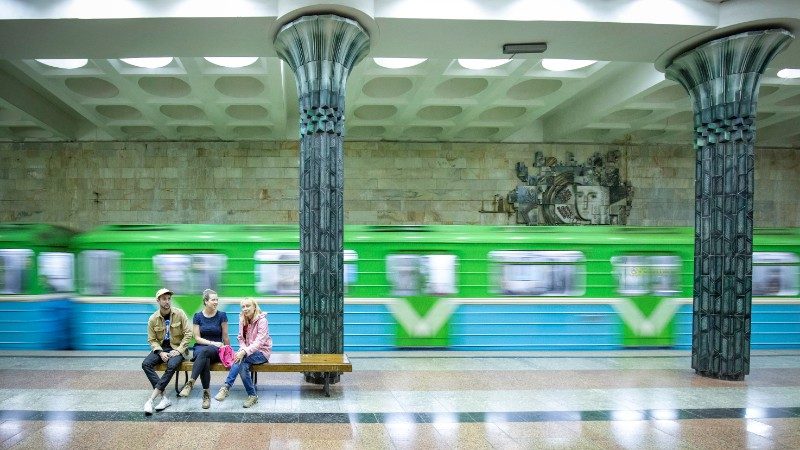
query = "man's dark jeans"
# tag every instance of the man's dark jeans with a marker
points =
(153, 360)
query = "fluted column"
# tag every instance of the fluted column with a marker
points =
(723, 77)
(321, 49)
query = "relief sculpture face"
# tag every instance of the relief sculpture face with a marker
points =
(591, 202)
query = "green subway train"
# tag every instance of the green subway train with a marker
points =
(36, 287)
(459, 287)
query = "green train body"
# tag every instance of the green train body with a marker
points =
(36, 285)
(456, 287)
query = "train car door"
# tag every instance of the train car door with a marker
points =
(420, 285)
(648, 285)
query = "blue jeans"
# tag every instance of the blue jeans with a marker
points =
(242, 368)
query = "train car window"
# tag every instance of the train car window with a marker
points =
(775, 274)
(56, 271)
(411, 274)
(646, 274)
(14, 266)
(190, 273)
(544, 273)
(100, 272)
(278, 271)
(350, 268)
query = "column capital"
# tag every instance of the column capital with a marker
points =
(322, 50)
(318, 38)
(728, 69)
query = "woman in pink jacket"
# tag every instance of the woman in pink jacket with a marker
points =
(255, 346)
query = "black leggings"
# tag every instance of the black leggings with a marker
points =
(204, 356)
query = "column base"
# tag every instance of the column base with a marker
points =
(721, 376)
(319, 377)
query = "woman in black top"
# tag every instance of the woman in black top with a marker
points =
(210, 333)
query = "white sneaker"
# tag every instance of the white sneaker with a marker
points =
(163, 404)
(148, 407)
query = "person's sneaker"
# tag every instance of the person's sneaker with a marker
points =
(148, 407)
(163, 404)
(223, 392)
(187, 389)
(251, 400)
(206, 400)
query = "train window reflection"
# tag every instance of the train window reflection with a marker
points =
(775, 273)
(278, 271)
(646, 274)
(99, 272)
(412, 275)
(350, 268)
(519, 272)
(56, 271)
(190, 273)
(15, 264)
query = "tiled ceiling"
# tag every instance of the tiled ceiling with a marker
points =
(621, 97)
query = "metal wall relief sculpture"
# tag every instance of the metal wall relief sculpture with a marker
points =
(572, 193)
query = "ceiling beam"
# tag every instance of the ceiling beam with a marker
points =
(618, 87)
(45, 112)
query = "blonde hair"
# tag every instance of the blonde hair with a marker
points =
(256, 311)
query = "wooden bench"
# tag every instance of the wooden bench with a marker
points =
(329, 364)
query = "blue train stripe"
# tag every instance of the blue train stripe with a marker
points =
(370, 325)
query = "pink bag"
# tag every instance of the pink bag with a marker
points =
(226, 355)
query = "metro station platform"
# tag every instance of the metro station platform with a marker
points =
(625, 399)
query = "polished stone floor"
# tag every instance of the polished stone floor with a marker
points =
(625, 399)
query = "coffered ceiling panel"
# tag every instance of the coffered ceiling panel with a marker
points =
(620, 97)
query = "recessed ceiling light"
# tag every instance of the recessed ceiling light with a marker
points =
(478, 64)
(561, 65)
(148, 63)
(64, 63)
(398, 63)
(789, 73)
(232, 62)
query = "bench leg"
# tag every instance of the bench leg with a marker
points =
(327, 386)
(185, 380)
(254, 377)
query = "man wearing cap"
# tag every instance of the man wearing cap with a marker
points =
(168, 333)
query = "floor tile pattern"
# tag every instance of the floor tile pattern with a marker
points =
(614, 400)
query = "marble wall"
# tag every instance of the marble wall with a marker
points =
(85, 184)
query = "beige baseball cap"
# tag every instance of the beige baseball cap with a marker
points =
(162, 292)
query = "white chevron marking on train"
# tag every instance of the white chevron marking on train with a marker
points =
(646, 326)
(422, 326)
